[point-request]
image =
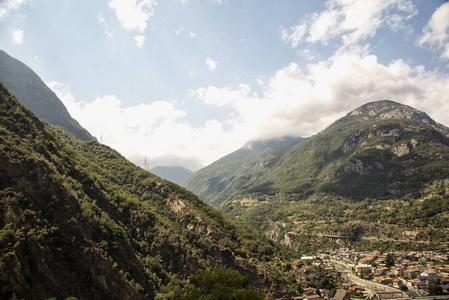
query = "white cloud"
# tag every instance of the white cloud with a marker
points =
(435, 33)
(296, 34)
(157, 130)
(178, 31)
(140, 39)
(133, 14)
(193, 34)
(211, 64)
(17, 36)
(301, 102)
(8, 5)
(351, 20)
(294, 101)
(102, 21)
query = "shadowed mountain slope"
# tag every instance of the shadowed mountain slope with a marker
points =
(26, 85)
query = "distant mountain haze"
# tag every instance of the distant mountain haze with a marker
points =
(26, 85)
(174, 174)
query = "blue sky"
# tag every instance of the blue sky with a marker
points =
(185, 82)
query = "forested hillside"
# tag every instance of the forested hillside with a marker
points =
(380, 171)
(232, 173)
(77, 219)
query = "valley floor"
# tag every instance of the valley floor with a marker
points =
(390, 275)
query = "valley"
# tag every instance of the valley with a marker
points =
(378, 175)
(276, 219)
(391, 275)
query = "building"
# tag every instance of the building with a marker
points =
(362, 267)
(342, 295)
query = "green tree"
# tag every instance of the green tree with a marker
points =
(220, 284)
(435, 289)
(389, 260)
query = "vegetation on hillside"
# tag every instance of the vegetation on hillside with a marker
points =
(378, 173)
(229, 175)
(359, 157)
(77, 219)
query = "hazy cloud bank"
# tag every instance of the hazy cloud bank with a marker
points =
(297, 100)
(294, 101)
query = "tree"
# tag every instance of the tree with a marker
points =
(220, 284)
(389, 260)
(435, 289)
(403, 287)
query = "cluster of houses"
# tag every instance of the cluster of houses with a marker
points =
(413, 271)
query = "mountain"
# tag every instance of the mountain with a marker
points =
(26, 85)
(381, 170)
(174, 174)
(78, 219)
(223, 178)
(382, 149)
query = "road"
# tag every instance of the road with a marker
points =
(373, 287)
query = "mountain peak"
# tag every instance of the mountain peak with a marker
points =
(387, 109)
(370, 144)
(32, 92)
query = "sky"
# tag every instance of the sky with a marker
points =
(186, 82)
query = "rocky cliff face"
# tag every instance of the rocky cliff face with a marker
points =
(385, 109)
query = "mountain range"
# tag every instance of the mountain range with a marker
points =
(78, 219)
(380, 150)
(383, 160)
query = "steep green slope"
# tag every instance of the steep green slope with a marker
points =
(223, 178)
(26, 85)
(378, 173)
(77, 219)
(380, 150)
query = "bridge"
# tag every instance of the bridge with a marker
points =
(340, 237)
